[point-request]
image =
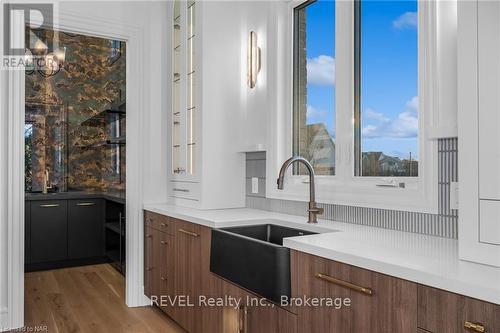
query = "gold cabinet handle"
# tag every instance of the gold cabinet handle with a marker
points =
(149, 236)
(85, 204)
(476, 327)
(149, 268)
(189, 233)
(49, 205)
(342, 283)
(163, 278)
(163, 242)
(163, 225)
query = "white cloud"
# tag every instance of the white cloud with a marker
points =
(405, 125)
(321, 70)
(372, 114)
(412, 104)
(406, 20)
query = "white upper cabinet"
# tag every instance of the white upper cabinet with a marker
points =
(489, 99)
(184, 102)
(479, 130)
(206, 169)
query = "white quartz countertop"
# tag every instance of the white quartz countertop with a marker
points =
(427, 260)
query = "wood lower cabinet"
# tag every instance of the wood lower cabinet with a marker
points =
(177, 263)
(254, 315)
(149, 233)
(444, 312)
(188, 274)
(159, 256)
(378, 303)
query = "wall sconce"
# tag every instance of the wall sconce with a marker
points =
(253, 60)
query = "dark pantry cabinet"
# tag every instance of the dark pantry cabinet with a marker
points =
(48, 231)
(64, 232)
(85, 228)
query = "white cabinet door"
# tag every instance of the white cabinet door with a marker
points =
(489, 99)
(489, 228)
(479, 130)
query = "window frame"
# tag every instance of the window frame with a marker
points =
(420, 193)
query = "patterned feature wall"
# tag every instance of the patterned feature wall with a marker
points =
(64, 142)
(443, 224)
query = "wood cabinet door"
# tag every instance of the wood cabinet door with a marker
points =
(391, 306)
(270, 318)
(444, 312)
(149, 236)
(211, 287)
(164, 276)
(187, 276)
(49, 231)
(85, 228)
(254, 315)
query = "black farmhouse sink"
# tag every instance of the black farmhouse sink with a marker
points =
(254, 258)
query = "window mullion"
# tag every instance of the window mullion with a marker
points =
(345, 93)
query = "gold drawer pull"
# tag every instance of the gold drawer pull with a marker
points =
(163, 278)
(149, 236)
(149, 269)
(49, 205)
(189, 233)
(163, 242)
(342, 283)
(85, 204)
(474, 326)
(163, 225)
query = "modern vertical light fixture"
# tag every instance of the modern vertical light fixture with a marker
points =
(253, 60)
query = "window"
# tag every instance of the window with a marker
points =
(362, 91)
(314, 86)
(385, 88)
(386, 67)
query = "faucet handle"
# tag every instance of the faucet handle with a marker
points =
(317, 210)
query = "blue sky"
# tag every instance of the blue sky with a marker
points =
(389, 73)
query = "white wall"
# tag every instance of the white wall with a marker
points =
(233, 114)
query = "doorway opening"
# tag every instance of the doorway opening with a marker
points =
(75, 162)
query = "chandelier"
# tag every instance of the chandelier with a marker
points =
(39, 60)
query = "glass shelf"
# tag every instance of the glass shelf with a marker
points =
(184, 118)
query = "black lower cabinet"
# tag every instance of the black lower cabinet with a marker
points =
(48, 231)
(65, 233)
(85, 228)
(27, 233)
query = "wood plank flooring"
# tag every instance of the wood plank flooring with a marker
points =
(88, 299)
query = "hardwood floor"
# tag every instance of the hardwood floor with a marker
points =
(87, 299)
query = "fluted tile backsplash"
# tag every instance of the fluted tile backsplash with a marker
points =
(443, 224)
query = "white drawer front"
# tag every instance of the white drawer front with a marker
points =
(489, 221)
(185, 190)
